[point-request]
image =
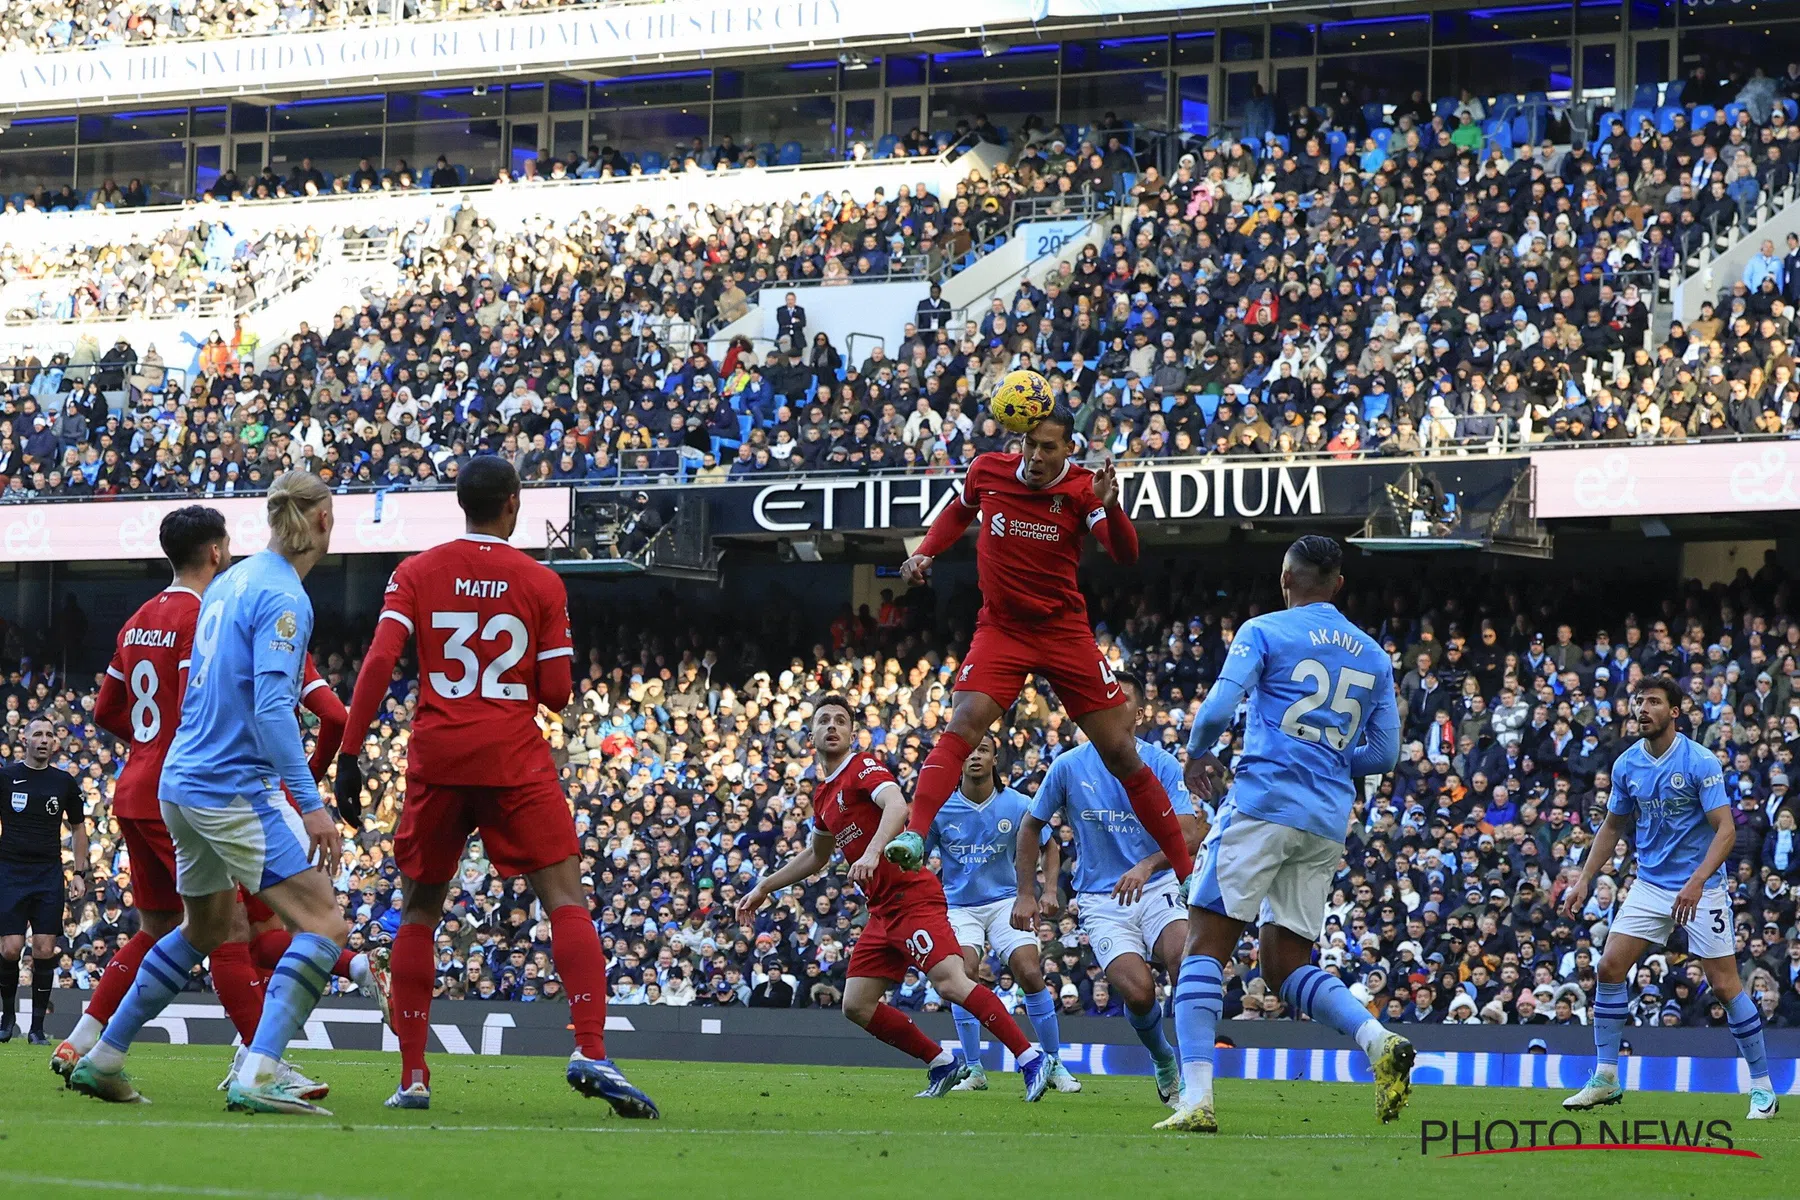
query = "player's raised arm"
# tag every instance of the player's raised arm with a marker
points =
(944, 533)
(1111, 526)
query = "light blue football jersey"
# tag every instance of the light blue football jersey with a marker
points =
(1670, 797)
(976, 845)
(1315, 683)
(255, 620)
(1109, 839)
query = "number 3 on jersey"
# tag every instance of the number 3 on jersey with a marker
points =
(462, 626)
(1311, 670)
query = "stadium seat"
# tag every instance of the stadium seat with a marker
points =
(1731, 112)
(1635, 117)
(1644, 96)
(652, 162)
(1280, 139)
(1702, 115)
(885, 147)
(1791, 107)
(1336, 143)
(1665, 117)
(1373, 115)
(766, 154)
(1672, 91)
(1382, 136)
(1445, 106)
(791, 154)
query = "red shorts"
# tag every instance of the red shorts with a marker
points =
(523, 829)
(916, 934)
(999, 662)
(152, 865)
(254, 909)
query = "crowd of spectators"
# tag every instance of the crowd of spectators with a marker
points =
(684, 754)
(1422, 295)
(197, 266)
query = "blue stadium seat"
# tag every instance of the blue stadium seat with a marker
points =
(1335, 145)
(652, 162)
(1665, 117)
(943, 138)
(1634, 117)
(1382, 136)
(1731, 112)
(1254, 145)
(1280, 139)
(791, 154)
(766, 154)
(1791, 107)
(1644, 96)
(1702, 115)
(1672, 91)
(885, 147)
(1373, 115)
(1445, 106)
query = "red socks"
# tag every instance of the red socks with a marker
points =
(235, 980)
(267, 948)
(937, 779)
(897, 1030)
(410, 979)
(1151, 804)
(987, 1009)
(118, 976)
(581, 965)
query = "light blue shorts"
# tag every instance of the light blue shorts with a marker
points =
(256, 843)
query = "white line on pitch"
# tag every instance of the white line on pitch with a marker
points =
(163, 1189)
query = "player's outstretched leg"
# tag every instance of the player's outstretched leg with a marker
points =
(1198, 1001)
(937, 780)
(1747, 1027)
(1114, 734)
(161, 976)
(114, 981)
(1609, 1016)
(1323, 997)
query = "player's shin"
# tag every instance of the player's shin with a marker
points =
(1148, 1025)
(897, 1030)
(299, 980)
(1610, 1014)
(987, 1009)
(968, 1032)
(1150, 802)
(1323, 997)
(1747, 1027)
(9, 991)
(234, 978)
(267, 948)
(160, 978)
(43, 974)
(111, 990)
(1040, 1006)
(1199, 1001)
(410, 976)
(937, 780)
(581, 963)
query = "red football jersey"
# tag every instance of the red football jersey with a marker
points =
(1030, 541)
(483, 614)
(844, 806)
(151, 659)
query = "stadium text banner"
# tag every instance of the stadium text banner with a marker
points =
(1206, 489)
(392, 523)
(572, 36)
(1660, 481)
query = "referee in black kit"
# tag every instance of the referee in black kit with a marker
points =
(35, 800)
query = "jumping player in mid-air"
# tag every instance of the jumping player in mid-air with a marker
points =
(974, 836)
(857, 808)
(1036, 507)
(1321, 716)
(492, 629)
(1127, 897)
(1673, 790)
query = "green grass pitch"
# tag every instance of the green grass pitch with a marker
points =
(512, 1128)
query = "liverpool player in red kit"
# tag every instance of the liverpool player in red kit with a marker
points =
(492, 628)
(1035, 508)
(857, 807)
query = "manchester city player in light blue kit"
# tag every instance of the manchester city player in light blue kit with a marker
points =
(1669, 791)
(238, 743)
(974, 835)
(1126, 894)
(1320, 716)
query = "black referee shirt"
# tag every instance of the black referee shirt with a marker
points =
(33, 805)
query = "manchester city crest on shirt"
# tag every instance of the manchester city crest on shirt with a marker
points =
(1678, 779)
(287, 624)
(1005, 825)
(19, 800)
